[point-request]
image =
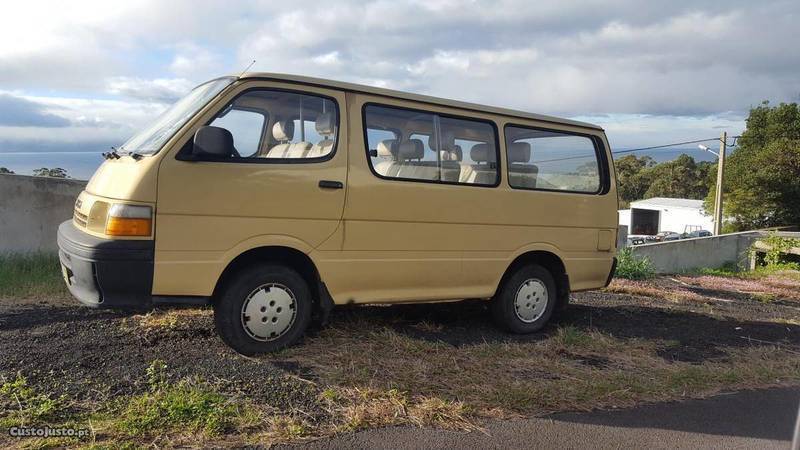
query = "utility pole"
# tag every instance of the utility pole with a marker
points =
(718, 197)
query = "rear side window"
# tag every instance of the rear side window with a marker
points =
(417, 145)
(552, 160)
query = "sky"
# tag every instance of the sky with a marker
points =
(82, 75)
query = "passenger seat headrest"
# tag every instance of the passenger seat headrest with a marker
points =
(283, 130)
(519, 152)
(455, 154)
(411, 149)
(325, 124)
(448, 141)
(482, 153)
(387, 148)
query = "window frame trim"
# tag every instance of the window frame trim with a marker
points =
(599, 150)
(182, 154)
(490, 122)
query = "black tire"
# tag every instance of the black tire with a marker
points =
(228, 308)
(503, 306)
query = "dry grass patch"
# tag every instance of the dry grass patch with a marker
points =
(645, 289)
(760, 288)
(572, 369)
(357, 408)
(170, 319)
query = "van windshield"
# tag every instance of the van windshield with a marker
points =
(152, 138)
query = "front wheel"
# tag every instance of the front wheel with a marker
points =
(263, 309)
(526, 300)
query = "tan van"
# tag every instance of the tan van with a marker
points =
(276, 197)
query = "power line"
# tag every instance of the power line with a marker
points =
(655, 147)
(675, 144)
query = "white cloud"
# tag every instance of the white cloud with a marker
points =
(194, 61)
(664, 68)
(165, 90)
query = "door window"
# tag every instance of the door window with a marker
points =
(270, 125)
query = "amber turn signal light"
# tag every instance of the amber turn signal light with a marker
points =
(129, 220)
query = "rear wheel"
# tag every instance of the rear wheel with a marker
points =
(526, 300)
(262, 309)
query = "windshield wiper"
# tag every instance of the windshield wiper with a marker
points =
(117, 153)
(112, 154)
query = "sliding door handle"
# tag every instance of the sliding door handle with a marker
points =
(328, 184)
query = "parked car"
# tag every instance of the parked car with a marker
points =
(660, 235)
(699, 233)
(636, 240)
(671, 237)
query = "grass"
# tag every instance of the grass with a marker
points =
(167, 319)
(23, 405)
(632, 267)
(642, 289)
(31, 275)
(572, 369)
(189, 405)
(787, 270)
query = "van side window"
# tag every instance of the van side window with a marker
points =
(269, 124)
(247, 128)
(551, 160)
(423, 146)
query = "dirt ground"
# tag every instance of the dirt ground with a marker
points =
(92, 356)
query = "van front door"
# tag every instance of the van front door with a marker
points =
(281, 185)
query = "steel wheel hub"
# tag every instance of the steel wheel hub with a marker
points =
(268, 312)
(531, 300)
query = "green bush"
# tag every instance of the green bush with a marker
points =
(631, 267)
(779, 246)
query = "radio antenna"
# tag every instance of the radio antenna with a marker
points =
(247, 68)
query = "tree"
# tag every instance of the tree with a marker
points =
(679, 178)
(6, 170)
(639, 178)
(761, 187)
(631, 185)
(58, 172)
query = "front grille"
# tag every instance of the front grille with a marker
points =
(80, 219)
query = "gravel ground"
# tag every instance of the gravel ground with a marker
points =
(91, 356)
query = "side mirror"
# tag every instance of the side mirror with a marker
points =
(212, 143)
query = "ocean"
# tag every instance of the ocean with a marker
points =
(81, 165)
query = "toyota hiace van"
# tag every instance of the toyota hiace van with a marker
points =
(275, 197)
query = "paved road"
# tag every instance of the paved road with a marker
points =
(749, 419)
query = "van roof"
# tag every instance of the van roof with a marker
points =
(415, 97)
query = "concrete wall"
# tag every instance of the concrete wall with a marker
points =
(686, 254)
(31, 208)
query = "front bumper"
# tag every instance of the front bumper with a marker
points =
(106, 273)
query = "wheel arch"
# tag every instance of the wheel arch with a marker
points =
(550, 261)
(279, 254)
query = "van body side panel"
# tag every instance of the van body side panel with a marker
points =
(211, 212)
(418, 241)
(399, 243)
(569, 225)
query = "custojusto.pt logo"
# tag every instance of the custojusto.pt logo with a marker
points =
(42, 432)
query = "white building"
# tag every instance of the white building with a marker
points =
(653, 215)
